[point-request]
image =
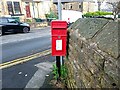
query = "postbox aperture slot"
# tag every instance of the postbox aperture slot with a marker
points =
(61, 28)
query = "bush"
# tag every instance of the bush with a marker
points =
(51, 15)
(38, 20)
(118, 15)
(97, 13)
(28, 20)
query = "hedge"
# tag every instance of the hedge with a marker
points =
(97, 13)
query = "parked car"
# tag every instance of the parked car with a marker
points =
(9, 24)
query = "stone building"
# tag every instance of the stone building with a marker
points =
(77, 5)
(25, 9)
(11, 8)
(36, 8)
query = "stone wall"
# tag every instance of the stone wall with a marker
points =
(93, 54)
(38, 24)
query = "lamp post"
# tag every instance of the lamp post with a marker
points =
(60, 18)
(59, 10)
(59, 59)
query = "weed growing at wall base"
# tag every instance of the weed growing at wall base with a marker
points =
(55, 71)
(63, 71)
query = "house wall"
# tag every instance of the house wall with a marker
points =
(72, 6)
(79, 6)
(89, 7)
(4, 8)
(40, 8)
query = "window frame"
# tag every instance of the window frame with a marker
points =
(17, 7)
(10, 7)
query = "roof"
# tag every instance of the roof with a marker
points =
(112, 0)
(55, 1)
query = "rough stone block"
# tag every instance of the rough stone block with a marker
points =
(99, 61)
(94, 54)
(107, 39)
(111, 68)
(88, 27)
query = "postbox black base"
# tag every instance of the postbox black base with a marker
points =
(58, 65)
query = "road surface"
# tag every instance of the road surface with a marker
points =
(29, 74)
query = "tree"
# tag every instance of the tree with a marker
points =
(99, 4)
(116, 8)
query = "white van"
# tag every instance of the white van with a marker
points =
(71, 16)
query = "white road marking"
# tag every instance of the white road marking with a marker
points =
(39, 77)
(47, 75)
(20, 73)
(26, 75)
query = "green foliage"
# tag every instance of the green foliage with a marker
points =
(51, 15)
(28, 20)
(97, 13)
(118, 16)
(38, 20)
(63, 72)
(55, 71)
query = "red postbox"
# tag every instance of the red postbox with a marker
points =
(59, 36)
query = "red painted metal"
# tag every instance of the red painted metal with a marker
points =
(59, 37)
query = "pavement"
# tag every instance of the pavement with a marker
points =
(39, 28)
(42, 81)
(47, 83)
(38, 79)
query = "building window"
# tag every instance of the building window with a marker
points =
(10, 7)
(80, 6)
(17, 8)
(27, 3)
(71, 6)
(13, 8)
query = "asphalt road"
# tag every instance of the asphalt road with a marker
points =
(30, 74)
(15, 50)
(19, 45)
